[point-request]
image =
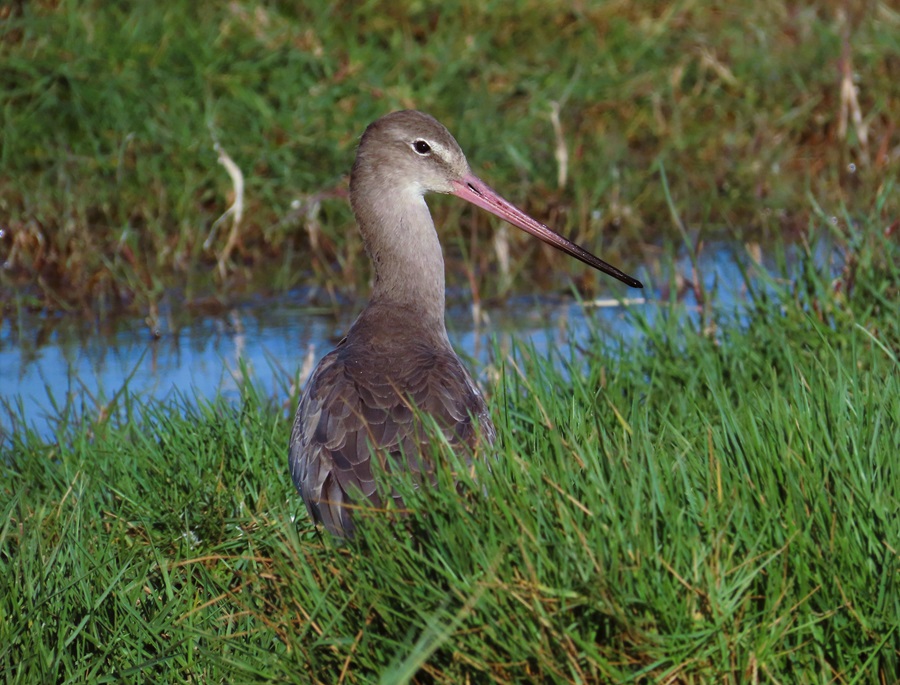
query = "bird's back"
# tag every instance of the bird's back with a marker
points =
(364, 398)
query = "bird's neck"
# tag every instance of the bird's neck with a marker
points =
(400, 238)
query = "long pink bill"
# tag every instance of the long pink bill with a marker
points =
(474, 190)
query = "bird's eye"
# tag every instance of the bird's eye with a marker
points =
(421, 147)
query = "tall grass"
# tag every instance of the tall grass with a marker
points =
(718, 503)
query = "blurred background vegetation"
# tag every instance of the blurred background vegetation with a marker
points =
(760, 113)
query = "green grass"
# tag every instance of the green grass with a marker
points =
(109, 184)
(719, 503)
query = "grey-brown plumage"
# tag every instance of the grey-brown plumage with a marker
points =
(364, 394)
(396, 358)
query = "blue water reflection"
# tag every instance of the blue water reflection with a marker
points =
(42, 362)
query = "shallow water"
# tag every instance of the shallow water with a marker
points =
(44, 361)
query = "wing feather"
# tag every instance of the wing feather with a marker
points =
(360, 400)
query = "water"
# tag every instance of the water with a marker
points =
(44, 360)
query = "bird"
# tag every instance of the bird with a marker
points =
(366, 398)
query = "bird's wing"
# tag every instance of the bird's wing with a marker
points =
(355, 404)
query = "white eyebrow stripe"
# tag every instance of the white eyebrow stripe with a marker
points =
(441, 150)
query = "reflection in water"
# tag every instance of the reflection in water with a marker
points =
(275, 342)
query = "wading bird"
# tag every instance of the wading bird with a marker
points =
(365, 397)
